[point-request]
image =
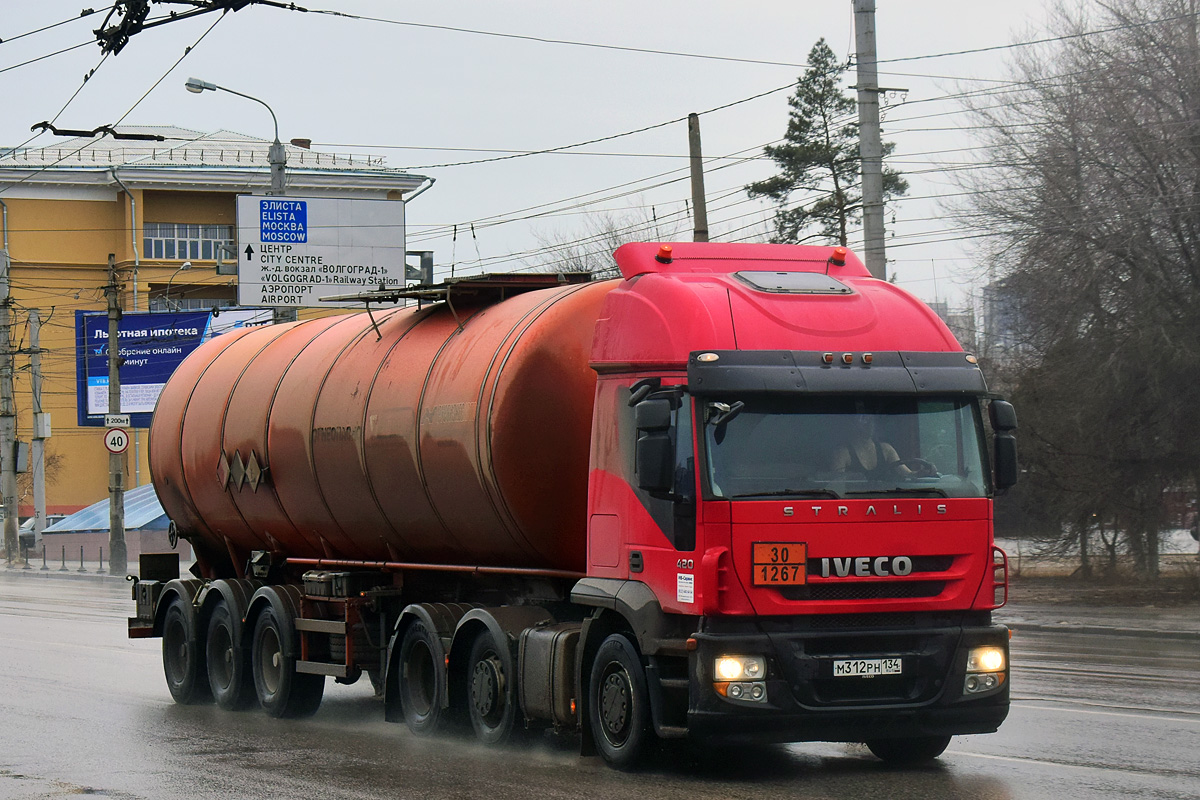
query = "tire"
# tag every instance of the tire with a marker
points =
(422, 680)
(183, 656)
(619, 704)
(909, 752)
(230, 675)
(491, 692)
(281, 691)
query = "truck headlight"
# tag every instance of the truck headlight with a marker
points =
(985, 659)
(740, 668)
(985, 669)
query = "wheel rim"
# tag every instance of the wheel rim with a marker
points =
(220, 656)
(270, 660)
(175, 650)
(419, 680)
(487, 690)
(615, 699)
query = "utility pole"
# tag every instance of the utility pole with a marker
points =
(117, 558)
(41, 424)
(699, 208)
(870, 143)
(8, 418)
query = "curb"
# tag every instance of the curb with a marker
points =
(1102, 630)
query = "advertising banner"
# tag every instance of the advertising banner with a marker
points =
(153, 346)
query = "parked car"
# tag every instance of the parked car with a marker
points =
(26, 535)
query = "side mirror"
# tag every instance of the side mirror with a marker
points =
(1003, 415)
(655, 453)
(655, 462)
(1004, 444)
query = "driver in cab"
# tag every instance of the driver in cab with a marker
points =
(865, 454)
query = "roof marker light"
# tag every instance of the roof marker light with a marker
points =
(867, 358)
(827, 358)
(838, 259)
(664, 254)
(847, 358)
(707, 357)
(972, 359)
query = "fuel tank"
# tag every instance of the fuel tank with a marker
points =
(456, 433)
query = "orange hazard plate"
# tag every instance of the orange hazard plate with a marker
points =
(780, 563)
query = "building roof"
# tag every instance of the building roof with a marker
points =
(189, 159)
(142, 512)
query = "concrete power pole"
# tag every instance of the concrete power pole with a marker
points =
(118, 557)
(870, 143)
(699, 207)
(8, 418)
(41, 424)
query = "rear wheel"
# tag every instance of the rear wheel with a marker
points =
(281, 690)
(909, 752)
(422, 679)
(491, 691)
(183, 656)
(230, 676)
(619, 704)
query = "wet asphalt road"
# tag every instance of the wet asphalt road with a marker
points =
(84, 710)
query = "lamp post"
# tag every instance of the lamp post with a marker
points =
(167, 294)
(276, 157)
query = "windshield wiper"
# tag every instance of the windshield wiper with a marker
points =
(924, 490)
(791, 492)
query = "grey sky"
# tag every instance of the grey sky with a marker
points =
(346, 83)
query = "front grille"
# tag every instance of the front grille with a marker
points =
(875, 590)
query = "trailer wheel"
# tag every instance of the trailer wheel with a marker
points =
(909, 752)
(619, 704)
(422, 676)
(230, 676)
(491, 691)
(183, 656)
(281, 690)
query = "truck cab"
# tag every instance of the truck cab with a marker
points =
(791, 464)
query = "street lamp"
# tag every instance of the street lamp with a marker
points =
(276, 156)
(167, 294)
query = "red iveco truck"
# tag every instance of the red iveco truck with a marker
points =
(743, 493)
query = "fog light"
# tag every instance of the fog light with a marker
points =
(735, 691)
(972, 683)
(757, 691)
(985, 682)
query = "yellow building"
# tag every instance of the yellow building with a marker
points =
(156, 206)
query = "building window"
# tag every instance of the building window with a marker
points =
(180, 240)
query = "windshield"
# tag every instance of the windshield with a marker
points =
(834, 446)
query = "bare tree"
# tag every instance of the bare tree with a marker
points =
(590, 249)
(1091, 204)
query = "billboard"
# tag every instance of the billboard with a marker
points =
(153, 346)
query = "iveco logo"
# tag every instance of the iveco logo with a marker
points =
(866, 566)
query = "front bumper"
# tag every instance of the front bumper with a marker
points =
(806, 702)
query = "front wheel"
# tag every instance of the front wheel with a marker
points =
(619, 704)
(909, 752)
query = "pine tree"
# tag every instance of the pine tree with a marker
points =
(819, 156)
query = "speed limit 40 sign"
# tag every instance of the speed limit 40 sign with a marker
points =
(116, 440)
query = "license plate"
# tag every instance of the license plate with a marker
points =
(780, 563)
(866, 667)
